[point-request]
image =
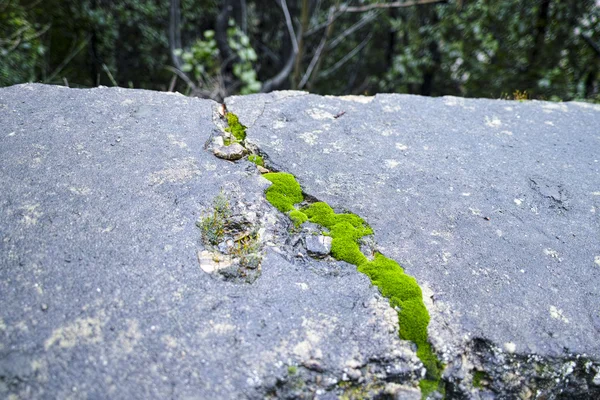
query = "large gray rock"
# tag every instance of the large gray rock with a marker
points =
(101, 290)
(494, 206)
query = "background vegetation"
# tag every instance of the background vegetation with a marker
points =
(547, 49)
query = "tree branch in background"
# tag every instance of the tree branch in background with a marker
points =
(317, 55)
(290, 26)
(328, 32)
(362, 22)
(278, 80)
(303, 27)
(595, 46)
(175, 32)
(228, 57)
(347, 57)
(67, 60)
(397, 4)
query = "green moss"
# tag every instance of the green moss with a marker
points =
(284, 192)
(256, 159)
(292, 370)
(235, 127)
(478, 377)
(344, 229)
(298, 217)
(402, 290)
(427, 387)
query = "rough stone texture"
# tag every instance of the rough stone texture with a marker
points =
(494, 206)
(101, 290)
(318, 245)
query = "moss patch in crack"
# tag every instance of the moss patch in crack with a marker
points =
(236, 129)
(256, 159)
(344, 229)
(479, 377)
(401, 289)
(284, 192)
(298, 217)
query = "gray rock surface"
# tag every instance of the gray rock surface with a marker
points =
(108, 290)
(318, 245)
(494, 206)
(101, 289)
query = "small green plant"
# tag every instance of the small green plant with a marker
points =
(256, 159)
(292, 370)
(213, 225)
(202, 59)
(247, 251)
(520, 95)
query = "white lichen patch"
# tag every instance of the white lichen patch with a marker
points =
(508, 108)
(549, 107)
(302, 285)
(475, 211)
(31, 214)
(518, 201)
(510, 347)
(310, 137)
(493, 122)
(278, 124)
(596, 193)
(551, 253)
(169, 341)
(597, 260)
(126, 102)
(549, 123)
(507, 133)
(391, 164)
(208, 166)
(180, 170)
(386, 132)
(222, 328)
(317, 113)
(129, 338)
(82, 331)
(173, 140)
(401, 146)
(586, 105)
(557, 313)
(446, 256)
(357, 99)
(453, 101)
(391, 109)
(80, 191)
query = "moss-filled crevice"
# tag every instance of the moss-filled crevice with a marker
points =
(237, 130)
(346, 230)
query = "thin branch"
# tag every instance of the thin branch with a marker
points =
(110, 76)
(362, 22)
(344, 8)
(175, 32)
(67, 60)
(595, 46)
(290, 26)
(397, 4)
(318, 52)
(347, 57)
(183, 76)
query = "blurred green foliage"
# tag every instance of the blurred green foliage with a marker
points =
(473, 48)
